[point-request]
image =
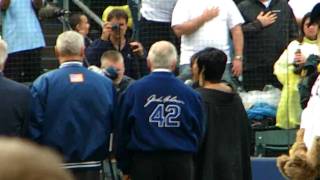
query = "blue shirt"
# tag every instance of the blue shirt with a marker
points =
(20, 27)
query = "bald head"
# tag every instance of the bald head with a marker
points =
(3, 52)
(162, 54)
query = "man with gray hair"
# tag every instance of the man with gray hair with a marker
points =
(72, 106)
(15, 106)
(160, 122)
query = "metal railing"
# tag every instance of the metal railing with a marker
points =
(85, 9)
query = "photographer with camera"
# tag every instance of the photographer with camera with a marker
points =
(113, 38)
(112, 66)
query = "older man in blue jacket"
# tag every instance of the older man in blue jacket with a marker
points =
(72, 106)
(160, 122)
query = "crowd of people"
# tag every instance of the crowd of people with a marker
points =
(130, 94)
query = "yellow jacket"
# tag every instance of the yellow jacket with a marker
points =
(289, 109)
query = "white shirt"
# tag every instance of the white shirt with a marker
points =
(310, 115)
(267, 3)
(161, 70)
(157, 10)
(214, 33)
(70, 63)
(301, 7)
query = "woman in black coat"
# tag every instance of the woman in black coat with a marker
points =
(225, 151)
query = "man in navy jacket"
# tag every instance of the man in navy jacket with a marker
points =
(72, 106)
(15, 105)
(160, 122)
(113, 38)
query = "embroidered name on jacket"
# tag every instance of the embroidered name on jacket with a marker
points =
(165, 115)
(163, 99)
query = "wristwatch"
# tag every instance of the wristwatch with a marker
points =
(240, 58)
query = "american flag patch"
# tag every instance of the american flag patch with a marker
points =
(76, 78)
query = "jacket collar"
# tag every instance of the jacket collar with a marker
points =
(71, 63)
(161, 70)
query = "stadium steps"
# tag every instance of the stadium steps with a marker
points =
(51, 29)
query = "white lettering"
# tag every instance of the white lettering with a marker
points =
(162, 99)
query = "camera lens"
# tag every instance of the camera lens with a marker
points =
(111, 72)
(115, 27)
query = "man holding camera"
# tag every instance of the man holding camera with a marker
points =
(113, 66)
(113, 38)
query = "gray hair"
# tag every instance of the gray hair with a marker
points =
(162, 54)
(3, 51)
(69, 43)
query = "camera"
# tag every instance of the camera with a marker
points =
(50, 10)
(297, 68)
(115, 27)
(111, 72)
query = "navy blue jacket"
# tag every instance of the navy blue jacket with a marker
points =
(135, 67)
(158, 113)
(72, 112)
(15, 107)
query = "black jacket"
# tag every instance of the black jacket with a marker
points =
(124, 84)
(225, 151)
(263, 46)
(135, 67)
(15, 107)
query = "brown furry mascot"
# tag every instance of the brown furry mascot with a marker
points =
(301, 164)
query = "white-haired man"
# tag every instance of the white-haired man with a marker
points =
(72, 106)
(160, 122)
(16, 101)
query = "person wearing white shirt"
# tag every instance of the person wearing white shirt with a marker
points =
(300, 8)
(208, 23)
(155, 22)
